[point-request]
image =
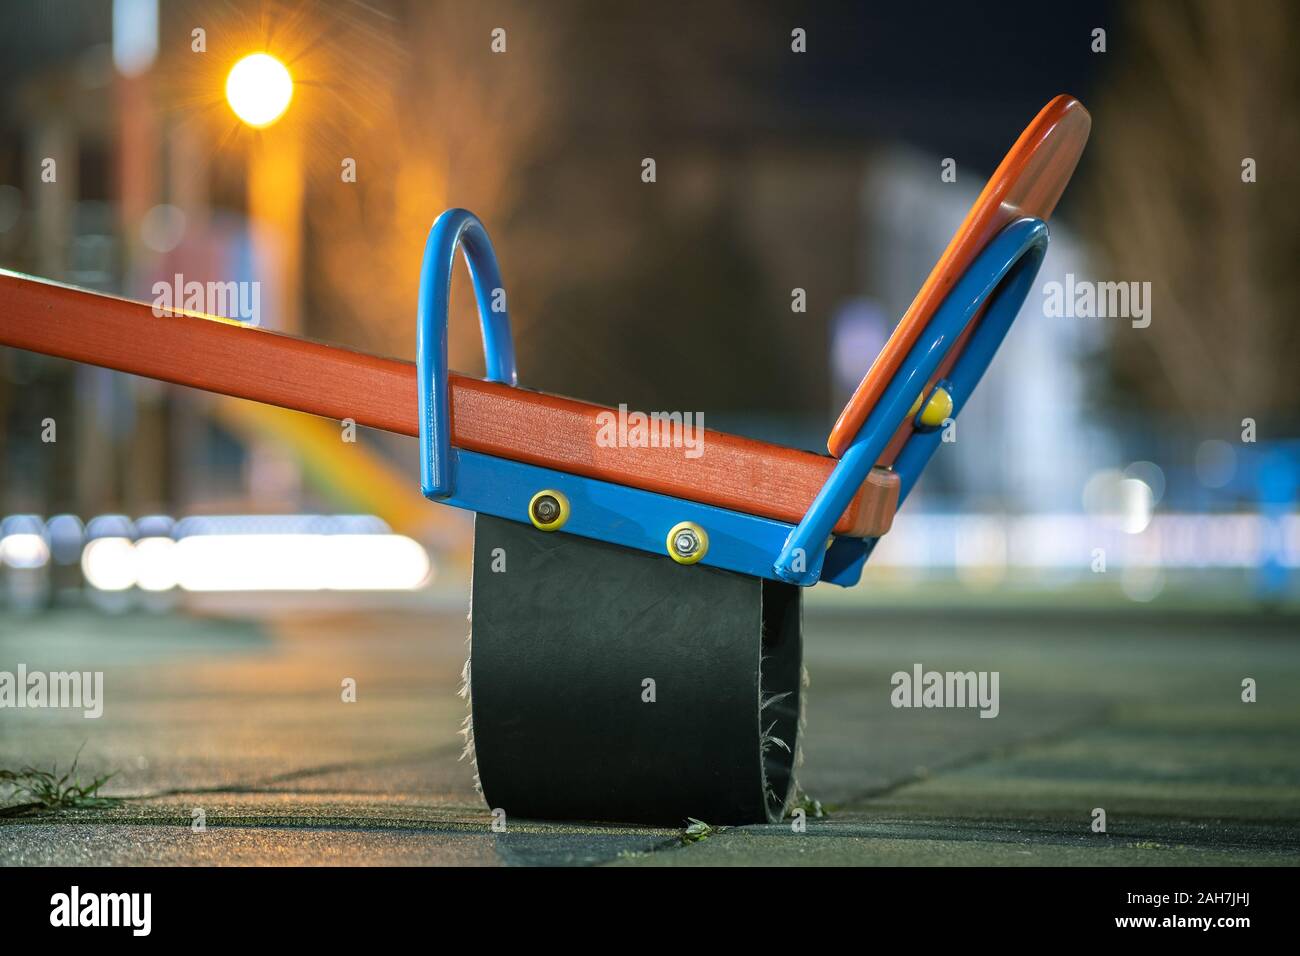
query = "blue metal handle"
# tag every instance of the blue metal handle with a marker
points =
(455, 228)
(1002, 274)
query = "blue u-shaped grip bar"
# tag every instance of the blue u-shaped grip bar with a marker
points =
(455, 229)
(1002, 274)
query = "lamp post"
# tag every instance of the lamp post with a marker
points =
(259, 89)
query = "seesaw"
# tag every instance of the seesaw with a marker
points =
(636, 645)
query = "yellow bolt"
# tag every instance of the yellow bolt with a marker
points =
(687, 542)
(938, 409)
(548, 510)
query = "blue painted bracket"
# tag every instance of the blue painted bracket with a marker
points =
(1001, 275)
(635, 518)
(455, 228)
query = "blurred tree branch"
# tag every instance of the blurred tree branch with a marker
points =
(1203, 86)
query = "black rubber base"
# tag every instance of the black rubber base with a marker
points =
(611, 684)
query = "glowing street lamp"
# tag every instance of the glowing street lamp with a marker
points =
(259, 89)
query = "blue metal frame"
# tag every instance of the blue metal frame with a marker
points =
(1001, 274)
(634, 518)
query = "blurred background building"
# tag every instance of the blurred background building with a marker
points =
(775, 171)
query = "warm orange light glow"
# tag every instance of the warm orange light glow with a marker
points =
(259, 89)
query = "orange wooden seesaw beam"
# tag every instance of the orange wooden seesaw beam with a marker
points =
(226, 357)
